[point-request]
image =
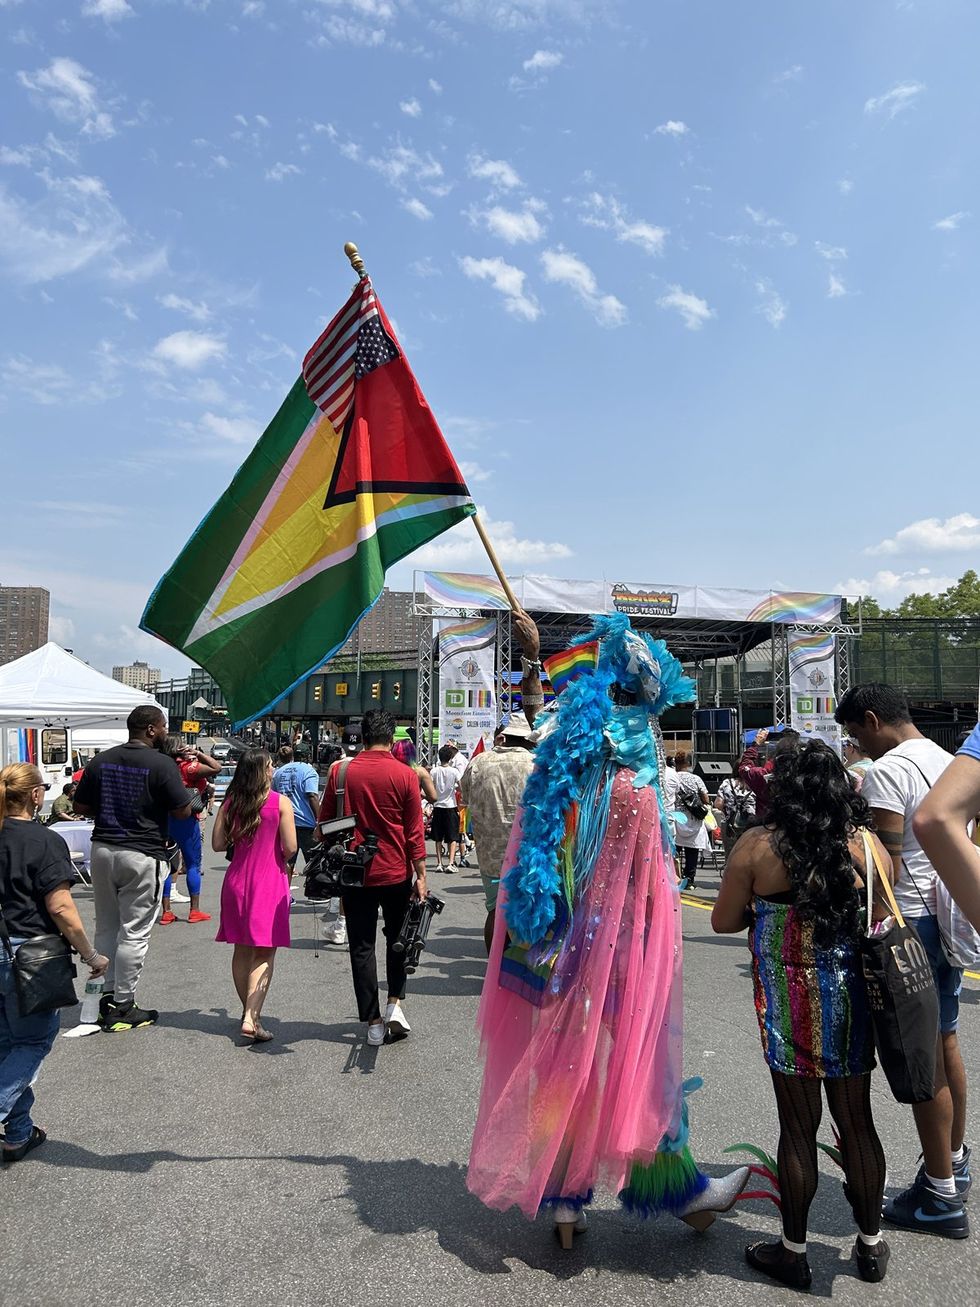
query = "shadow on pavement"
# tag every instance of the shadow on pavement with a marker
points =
(402, 1198)
(219, 1022)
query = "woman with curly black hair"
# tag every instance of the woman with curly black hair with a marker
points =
(798, 883)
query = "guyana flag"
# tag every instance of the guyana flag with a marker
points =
(351, 475)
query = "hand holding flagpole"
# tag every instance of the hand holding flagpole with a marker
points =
(357, 263)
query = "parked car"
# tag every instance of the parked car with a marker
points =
(222, 781)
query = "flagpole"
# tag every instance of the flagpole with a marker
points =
(357, 263)
(495, 564)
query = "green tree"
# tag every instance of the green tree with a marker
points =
(959, 600)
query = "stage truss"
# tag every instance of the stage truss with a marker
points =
(691, 640)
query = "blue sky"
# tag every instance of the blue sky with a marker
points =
(691, 285)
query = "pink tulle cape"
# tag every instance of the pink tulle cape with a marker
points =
(576, 1089)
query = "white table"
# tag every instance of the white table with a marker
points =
(78, 836)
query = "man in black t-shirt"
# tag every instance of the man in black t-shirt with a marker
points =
(131, 791)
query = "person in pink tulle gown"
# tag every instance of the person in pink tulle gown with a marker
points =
(258, 824)
(581, 1017)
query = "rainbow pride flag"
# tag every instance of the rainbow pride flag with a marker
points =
(562, 668)
(351, 475)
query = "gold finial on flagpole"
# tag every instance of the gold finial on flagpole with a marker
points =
(356, 262)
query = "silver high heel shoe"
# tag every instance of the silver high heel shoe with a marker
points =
(569, 1221)
(719, 1196)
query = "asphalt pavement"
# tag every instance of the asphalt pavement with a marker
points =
(186, 1167)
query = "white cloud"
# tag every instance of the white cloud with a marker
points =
(513, 226)
(672, 127)
(508, 281)
(435, 87)
(110, 10)
(832, 253)
(196, 310)
(692, 308)
(411, 107)
(417, 209)
(845, 186)
(236, 431)
(836, 288)
(49, 383)
(44, 383)
(424, 268)
(774, 225)
(20, 158)
(75, 225)
(141, 268)
(189, 349)
(951, 221)
(400, 163)
(497, 172)
(473, 473)
(340, 29)
(772, 306)
(890, 588)
(542, 61)
(462, 545)
(381, 9)
(69, 91)
(791, 74)
(605, 212)
(280, 171)
(895, 101)
(933, 535)
(567, 269)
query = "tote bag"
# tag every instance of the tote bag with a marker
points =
(901, 995)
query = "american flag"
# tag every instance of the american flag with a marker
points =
(353, 344)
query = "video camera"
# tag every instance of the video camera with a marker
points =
(334, 866)
(415, 929)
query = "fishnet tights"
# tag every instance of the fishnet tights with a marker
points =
(799, 1103)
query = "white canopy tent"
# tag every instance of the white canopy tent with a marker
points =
(50, 687)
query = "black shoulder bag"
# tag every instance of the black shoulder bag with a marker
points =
(901, 995)
(44, 973)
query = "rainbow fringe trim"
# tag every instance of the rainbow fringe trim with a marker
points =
(667, 1184)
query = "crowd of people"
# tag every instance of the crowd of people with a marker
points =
(584, 834)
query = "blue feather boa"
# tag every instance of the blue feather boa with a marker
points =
(589, 728)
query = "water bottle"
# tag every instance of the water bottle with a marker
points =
(90, 1001)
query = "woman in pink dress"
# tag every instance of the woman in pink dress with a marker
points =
(258, 825)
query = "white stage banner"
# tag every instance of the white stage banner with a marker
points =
(811, 686)
(646, 599)
(467, 700)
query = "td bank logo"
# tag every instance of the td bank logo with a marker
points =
(456, 699)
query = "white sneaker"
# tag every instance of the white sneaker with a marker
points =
(376, 1035)
(336, 932)
(398, 1027)
(177, 897)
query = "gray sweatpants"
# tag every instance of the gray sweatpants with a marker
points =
(126, 887)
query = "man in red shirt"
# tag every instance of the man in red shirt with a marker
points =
(383, 795)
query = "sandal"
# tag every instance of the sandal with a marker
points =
(34, 1140)
(258, 1036)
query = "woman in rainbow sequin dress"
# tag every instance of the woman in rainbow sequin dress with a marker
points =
(799, 881)
(581, 1017)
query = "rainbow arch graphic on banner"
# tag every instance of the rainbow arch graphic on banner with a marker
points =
(805, 649)
(461, 590)
(797, 606)
(465, 637)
